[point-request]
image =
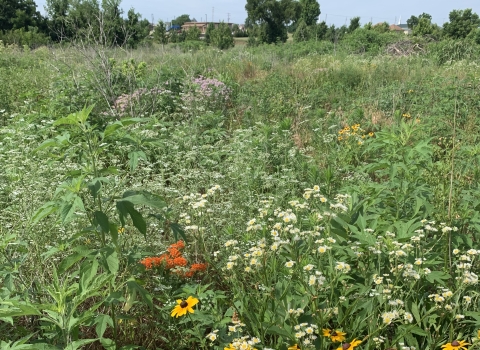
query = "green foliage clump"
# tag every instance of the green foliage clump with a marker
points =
(272, 18)
(461, 24)
(222, 37)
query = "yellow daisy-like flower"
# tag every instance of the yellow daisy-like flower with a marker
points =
(334, 335)
(183, 306)
(351, 345)
(455, 345)
(294, 347)
(230, 347)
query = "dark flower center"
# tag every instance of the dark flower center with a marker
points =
(183, 304)
(455, 343)
(334, 334)
(345, 346)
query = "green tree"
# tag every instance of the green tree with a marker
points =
(310, 11)
(57, 19)
(302, 33)
(113, 29)
(330, 34)
(462, 22)
(17, 14)
(222, 37)
(83, 19)
(136, 28)
(193, 33)
(272, 17)
(426, 27)
(160, 33)
(413, 20)
(354, 24)
(319, 30)
(174, 37)
(381, 27)
(208, 32)
(180, 20)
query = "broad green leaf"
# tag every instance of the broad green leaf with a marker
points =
(126, 207)
(277, 331)
(134, 157)
(87, 272)
(69, 208)
(144, 198)
(111, 128)
(42, 212)
(46, 144)
(178, 231)
(79, 343)
(112, 262)
(130, 121)
(416, 313)
(438, 276)
(109, 344)
(102, 220)
(18, 309)
(94, 187)
(146, 297)
(68, 262)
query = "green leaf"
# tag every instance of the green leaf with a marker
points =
(75, 118)
(109, 344)
(102, 321)
(134, 157)
(77, 344)
(416, 313)
(46, 144)
(144, 198)
(68, 262)
(68, 209)
(87, 273)
(112, 262)
(126, 208)
(42, 212)
(112, 128)
(94, 187)
(132, 285)
(178, 231)
(18, 309)
(130, 121)
(277, 331)
(101, 219)
(438, 276)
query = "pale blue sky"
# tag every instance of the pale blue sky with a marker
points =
(334, 11)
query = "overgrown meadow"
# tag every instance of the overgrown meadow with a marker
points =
(282, 197)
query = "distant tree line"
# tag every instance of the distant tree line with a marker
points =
(65, 20)
(220, 36)
(270, 21)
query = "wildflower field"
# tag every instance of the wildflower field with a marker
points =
(297, 196)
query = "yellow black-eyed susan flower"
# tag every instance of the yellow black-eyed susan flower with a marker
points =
(456, 345)
(183, 306)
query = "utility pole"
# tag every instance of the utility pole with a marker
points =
(228, 18)
(152, 20)
(206, 19)
(213, 10)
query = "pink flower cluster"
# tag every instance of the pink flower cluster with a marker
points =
(125, 101)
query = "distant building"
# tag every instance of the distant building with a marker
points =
(202, 26)
(395, 28)
(405, 28)
(174, 27)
